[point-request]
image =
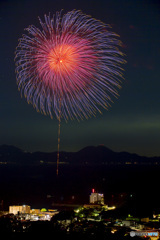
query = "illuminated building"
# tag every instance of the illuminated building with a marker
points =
(19, 209)
(96, 197)
(35, 211)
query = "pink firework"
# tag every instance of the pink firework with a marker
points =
(71, 66)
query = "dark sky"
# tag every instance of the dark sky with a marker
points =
(131, 124)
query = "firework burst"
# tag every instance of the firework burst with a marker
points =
(70, 66)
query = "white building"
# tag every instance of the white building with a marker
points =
(96, 197)
(19, 209)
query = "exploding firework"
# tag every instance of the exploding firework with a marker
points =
(71, 66)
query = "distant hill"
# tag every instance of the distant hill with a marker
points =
(90, 155)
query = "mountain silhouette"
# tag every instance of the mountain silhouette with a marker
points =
(90, 155)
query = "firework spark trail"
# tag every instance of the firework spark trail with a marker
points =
(59, 132)
(71, 67)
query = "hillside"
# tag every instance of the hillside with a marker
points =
(90, 155)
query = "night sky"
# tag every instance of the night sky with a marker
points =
(132, 123)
